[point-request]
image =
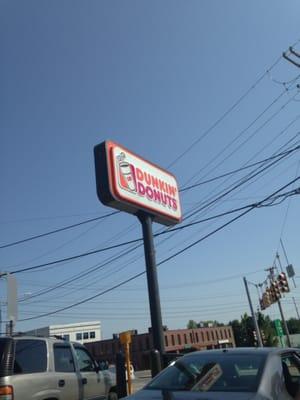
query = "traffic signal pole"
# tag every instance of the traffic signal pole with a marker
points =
(294, 301)
(288, 339)
(258, 335)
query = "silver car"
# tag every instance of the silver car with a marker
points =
(233, 374)
(51, 369)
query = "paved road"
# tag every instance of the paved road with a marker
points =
(141, 378)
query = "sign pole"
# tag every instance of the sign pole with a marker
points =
(153, 290)
(256, 327)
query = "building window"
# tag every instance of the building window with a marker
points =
(225, 332)
(202, 336)
(92, 335)
(173, 340)
(221, 334)
(197, 338)
(185, 339)
(191, 337)
(229, 333)
(78, 336)
(85, 335)
(66, 337)
(217, 335)
(207, 335)
(212, 335)
(179, 339)
(166, 341)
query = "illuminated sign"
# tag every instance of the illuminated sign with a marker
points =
(129, 183)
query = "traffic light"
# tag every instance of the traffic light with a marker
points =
(267, 297)
(283, 283)
(255, 338)
(262, 304)
(263, 336)
(275, 291)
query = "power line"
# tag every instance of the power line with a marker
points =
(140, 239)
(59, 230)
(163, 261)
(74, 257)
(235, 186)
(242, 132)
(251, 206)
(224, 115)
(116, 212)
(236, 170)
(78, 276)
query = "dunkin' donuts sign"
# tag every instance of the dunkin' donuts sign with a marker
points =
(128, 182)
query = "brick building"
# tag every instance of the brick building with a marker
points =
(179, 340)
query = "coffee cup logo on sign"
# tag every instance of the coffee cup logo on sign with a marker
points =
(126, 177)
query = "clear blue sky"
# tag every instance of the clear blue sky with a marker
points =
(153, 76)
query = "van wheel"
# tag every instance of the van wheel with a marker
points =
(112, 396)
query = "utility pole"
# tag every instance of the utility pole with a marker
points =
(285, 325)
(294, 301)
(286, 258)
(259, 341)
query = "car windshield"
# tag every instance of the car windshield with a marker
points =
(219, 372)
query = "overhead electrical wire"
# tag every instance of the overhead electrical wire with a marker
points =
(166, 259)
(134, 240)
(228, 111)
(120, 244)
(116, 212)
(63, 284)
(224, 115)
(59, 230)
(87, 221)
(235, 186)
(241, 133)
(113, 213)
(234, 171)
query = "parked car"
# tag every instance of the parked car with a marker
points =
(51, 369)
(233, 374)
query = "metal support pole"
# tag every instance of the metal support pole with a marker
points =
(296, 307)
(284, 324)
(259, 341)
(286, 258)
(121, 375)
(153, 290)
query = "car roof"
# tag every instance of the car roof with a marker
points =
(52, 339)
(243, 351)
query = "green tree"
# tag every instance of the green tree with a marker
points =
(192, 324)
(267, 330)
(243, 331)
(293, 325)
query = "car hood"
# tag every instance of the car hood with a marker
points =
(145, 394)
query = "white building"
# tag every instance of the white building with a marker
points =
(82, 332)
